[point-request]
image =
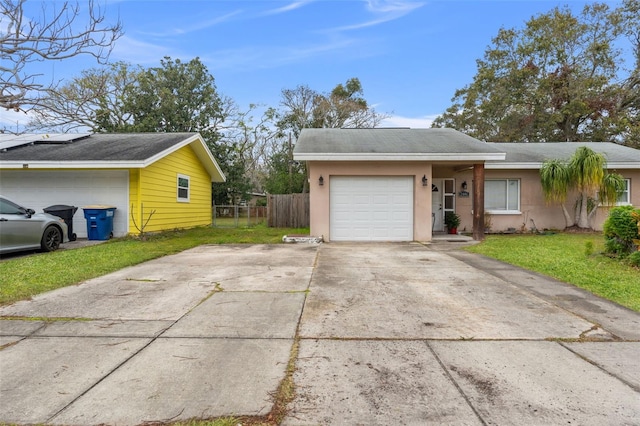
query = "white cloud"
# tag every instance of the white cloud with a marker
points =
(129, 49)
(194, 26)
(13, 121)
(275, 56)
(389, 11)
(288, 8)
(412, 122)
(382, 6)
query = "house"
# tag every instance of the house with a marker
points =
(167, 173)
(398, 184)
(522, 206)
(385, 184)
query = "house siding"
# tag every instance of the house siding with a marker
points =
(534, 211)
(155, 188)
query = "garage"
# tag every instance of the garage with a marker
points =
(38, 189)
(371, 208)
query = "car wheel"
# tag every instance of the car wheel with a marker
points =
(51, 239)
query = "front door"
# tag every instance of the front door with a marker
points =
(449, 196)
(443, 200)
(437, 212)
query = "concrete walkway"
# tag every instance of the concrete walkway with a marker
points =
(389, 334)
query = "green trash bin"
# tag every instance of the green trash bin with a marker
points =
(99, 221)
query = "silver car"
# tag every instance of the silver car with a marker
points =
(24, 229)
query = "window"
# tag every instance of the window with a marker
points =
(625, 198)
(183, 188)
(7, 207)
(502, 196)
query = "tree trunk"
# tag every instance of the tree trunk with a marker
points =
(583, 221)
(567, 217)
(591, 214)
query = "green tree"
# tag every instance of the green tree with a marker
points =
(586, 173)
(93, 101)
(560, 78)
(303, 107)
(175, 97)
(251, 141)
(344, 106)
(284, 176)
(629, 128)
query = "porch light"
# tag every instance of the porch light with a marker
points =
(464, 185)
(321, 181)
(425, 181)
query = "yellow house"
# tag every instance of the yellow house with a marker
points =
(157, 180)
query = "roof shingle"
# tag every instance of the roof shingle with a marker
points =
(98, 147)
(388, 141)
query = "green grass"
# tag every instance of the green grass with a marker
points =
(573, 258)
(24, 277)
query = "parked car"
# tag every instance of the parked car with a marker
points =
(24, 229)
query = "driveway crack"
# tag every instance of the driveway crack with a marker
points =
(455, 383)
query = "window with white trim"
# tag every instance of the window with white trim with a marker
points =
(502, 196)
(625, 197)
(183, 188)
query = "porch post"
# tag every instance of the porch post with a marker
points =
(478, 202)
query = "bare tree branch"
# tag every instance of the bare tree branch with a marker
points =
(58, 33)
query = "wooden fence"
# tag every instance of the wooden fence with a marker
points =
(288, 210)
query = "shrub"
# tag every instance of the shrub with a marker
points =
(634, 259)
(452, 220)
(620, 229)
(588, 248)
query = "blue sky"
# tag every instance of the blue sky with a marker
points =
(409, 56)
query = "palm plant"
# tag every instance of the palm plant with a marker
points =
(586, 172)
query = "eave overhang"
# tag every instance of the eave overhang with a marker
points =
(538, 165)
(431, 157)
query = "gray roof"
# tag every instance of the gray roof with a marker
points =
(534, 154)
(398, 143)
(101, 150)
(97, 147)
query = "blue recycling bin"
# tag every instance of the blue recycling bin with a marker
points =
(99, 221)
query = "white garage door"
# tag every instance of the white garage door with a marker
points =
(371, 208)
(39, 189)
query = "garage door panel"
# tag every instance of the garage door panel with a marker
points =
(381, 199)
(361, 216)
(342, 199)
(401, 199)
(380, 216)
(376, 208)
(361, 200)
(400, 217)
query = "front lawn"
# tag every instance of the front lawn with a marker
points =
(569, 258)
(24, 277)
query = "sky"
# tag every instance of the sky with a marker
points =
(410, 56)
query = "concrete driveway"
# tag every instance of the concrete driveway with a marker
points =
(389, 334)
